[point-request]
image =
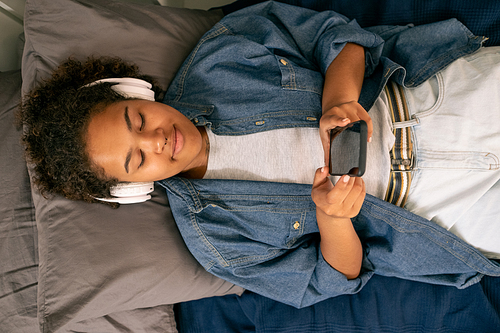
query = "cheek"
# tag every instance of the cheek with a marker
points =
(159, 168)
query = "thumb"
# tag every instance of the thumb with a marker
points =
(320, 177)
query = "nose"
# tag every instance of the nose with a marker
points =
(153, 141)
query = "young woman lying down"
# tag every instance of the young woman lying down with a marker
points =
(240, 140)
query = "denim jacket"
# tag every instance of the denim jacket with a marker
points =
(262, 68)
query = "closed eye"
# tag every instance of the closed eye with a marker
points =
(143, 158)
(143, 122)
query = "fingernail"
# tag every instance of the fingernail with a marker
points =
(346, 178)
(370, 139)
(345, 119)
(322, 169)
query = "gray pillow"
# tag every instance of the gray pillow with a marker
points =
(156, 38)
(94, 260)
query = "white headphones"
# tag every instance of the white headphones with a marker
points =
(134, 192)
(129, 87)
(128, 193)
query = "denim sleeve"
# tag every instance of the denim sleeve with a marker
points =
(252, 235)
(317, 36)
(299, 277)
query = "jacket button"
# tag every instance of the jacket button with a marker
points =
(296, 225)
(258, 123)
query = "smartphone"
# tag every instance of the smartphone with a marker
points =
(348, 149)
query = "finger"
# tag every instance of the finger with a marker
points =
(320, 177)
(330, 121)
(321, 186)
(326, 148)
(334, 120)
(348, 189)
(340, 190)
(363, 115)
(357, 191)
(327, 123)
(359, 203)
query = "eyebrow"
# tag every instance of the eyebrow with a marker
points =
(129, 126)
(127, 119)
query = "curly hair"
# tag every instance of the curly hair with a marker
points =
(55, 117)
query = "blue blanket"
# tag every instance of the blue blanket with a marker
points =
(482, 17)
(383, 305)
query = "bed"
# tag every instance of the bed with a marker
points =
(73, 267)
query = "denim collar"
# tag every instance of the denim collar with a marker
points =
(194, 112)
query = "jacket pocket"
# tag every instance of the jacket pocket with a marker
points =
(295, 77)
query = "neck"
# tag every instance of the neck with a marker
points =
(199, 171)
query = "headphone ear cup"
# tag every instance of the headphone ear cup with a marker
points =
(128, 193)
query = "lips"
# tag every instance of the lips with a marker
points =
(177, 142)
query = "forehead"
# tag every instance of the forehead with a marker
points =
(106, 136)
(110, 118)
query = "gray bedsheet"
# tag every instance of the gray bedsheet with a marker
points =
(18, 235)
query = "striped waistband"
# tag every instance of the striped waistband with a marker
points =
(402, 152)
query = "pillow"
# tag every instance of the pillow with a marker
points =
(18, 236)
(156, 38)
(95, 260)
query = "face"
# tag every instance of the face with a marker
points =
(138, 140)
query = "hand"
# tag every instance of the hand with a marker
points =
(341, 115)
(344, 200)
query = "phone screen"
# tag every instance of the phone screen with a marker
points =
(348, 149)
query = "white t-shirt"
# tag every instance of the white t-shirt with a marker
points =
(293, 155)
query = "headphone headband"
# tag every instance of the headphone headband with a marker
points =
(129, 87)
